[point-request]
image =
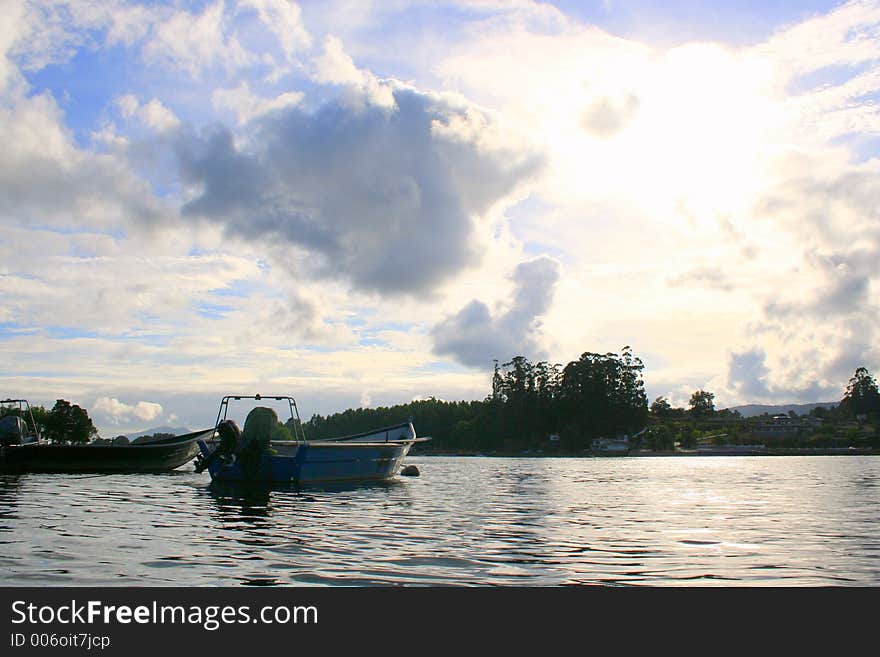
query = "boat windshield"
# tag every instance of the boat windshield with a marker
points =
(17, 424)
(238, 407)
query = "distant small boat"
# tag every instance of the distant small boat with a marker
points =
(22, 449)
(374, 455)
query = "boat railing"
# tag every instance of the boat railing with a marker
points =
(380, 432)
(25, 407)
(299, 434)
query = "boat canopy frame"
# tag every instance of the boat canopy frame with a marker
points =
(24, 406)
(299, 433)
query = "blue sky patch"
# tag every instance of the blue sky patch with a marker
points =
(213, 310)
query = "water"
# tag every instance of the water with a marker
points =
(465, 521)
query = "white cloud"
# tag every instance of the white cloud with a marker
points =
(247, 106)
(10, 31)
(196, 42)
(46, 179)
(113, 411)
(159, 117)
(284, 19)
(153, 114)
(846, 36)
(335, 66)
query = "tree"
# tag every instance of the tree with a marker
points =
(497, 383)
(687, 437)
(602, 395)
(819, 412)
(702, 403)
(862, 396)
(659, 438)
(68, 422)
(281, 432)
(661, 408)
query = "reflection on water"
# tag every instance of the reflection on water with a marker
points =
(714, 520)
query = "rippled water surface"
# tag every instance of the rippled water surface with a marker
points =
(465, 521)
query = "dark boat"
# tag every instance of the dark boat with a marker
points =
(22, 449)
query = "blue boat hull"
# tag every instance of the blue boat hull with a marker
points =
(315, 462)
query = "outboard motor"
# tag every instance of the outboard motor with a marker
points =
(230, 436)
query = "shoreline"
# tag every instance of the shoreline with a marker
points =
(773, 451)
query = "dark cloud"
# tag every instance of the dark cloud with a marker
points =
(856, 347)
(606, 117)
(843, 292)
(474, 338)
(385, 198)
(747, 373)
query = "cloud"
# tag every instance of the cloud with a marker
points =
(474, 337)
(388, 200)
(335, 66)
(196, 42)
(820, 315)
(847, 292)
(397, 190)
(112, 411)
(284, 19)
(152, 114)
(606, 116)
(850, 34)
(819, 329)
(247, 105)
(193, 42)
(762, 143)
(747, 373)
(110, 294)
(45, 179)
(704, 276)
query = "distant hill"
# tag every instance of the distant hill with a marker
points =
(750, 410)
(149, 432)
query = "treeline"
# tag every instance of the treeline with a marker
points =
(63, 423)
(596, 395)
(431, 417)
(854, 421)
(548, 407)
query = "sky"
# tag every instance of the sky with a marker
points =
(365, 203)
